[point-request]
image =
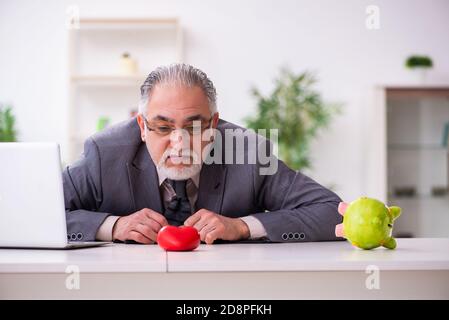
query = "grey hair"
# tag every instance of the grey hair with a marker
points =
(182, 74)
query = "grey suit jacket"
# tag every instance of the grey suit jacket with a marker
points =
(116, 176)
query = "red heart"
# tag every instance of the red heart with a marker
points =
(183, 238)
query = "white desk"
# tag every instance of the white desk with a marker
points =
(418, 268)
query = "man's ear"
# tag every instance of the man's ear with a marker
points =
(215, 120)
(141, 126)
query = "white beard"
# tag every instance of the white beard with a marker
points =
(181, 173)
(190, 169)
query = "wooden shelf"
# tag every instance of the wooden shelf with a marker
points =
(418, 147)
(417, 91)
(418, 197)
(87, 24)
(108, 80)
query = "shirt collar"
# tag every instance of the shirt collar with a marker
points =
(195, 179)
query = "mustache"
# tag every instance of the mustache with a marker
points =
(186, 156)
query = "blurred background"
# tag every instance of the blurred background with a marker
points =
(359, 89)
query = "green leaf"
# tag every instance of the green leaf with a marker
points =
(7, 124)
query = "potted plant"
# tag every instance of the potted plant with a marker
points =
(7, 123)
(298, 111)
(421, 64)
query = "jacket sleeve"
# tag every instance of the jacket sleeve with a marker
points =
(83, 194)
(297, 207)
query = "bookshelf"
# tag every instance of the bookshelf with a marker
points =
(417, 159)
(101, 86)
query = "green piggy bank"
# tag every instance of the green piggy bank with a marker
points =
(367, 223)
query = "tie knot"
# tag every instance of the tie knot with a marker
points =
(179, 186)
(178, 209)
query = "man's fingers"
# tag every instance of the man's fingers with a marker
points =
(205, 230)
(153, 224)
(212, 236)
(342, 206)
(193, 219)
(138, 237)
(156, 216)
(147, 231)
(200, 224)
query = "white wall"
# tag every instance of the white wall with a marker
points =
(240, 44)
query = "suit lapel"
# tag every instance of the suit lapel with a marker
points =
(144, 181)
(211, 187)
(212, 180)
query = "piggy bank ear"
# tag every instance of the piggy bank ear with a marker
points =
(342, 206)
(339, 230)
(395, 212)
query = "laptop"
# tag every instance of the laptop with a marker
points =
(32, 210)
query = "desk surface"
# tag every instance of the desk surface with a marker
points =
(411, 254)
(108, 258)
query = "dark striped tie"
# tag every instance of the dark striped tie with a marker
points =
(178, 209)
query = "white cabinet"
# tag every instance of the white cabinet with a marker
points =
(417, 123)
(102, 85)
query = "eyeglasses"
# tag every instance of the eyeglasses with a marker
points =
(162, 128)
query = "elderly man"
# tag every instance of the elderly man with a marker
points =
(151, 171)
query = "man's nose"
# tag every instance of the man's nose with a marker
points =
(179, 139)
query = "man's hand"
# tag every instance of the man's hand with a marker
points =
(212, 226)
(141, 226)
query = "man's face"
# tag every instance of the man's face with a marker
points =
(176, 152)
